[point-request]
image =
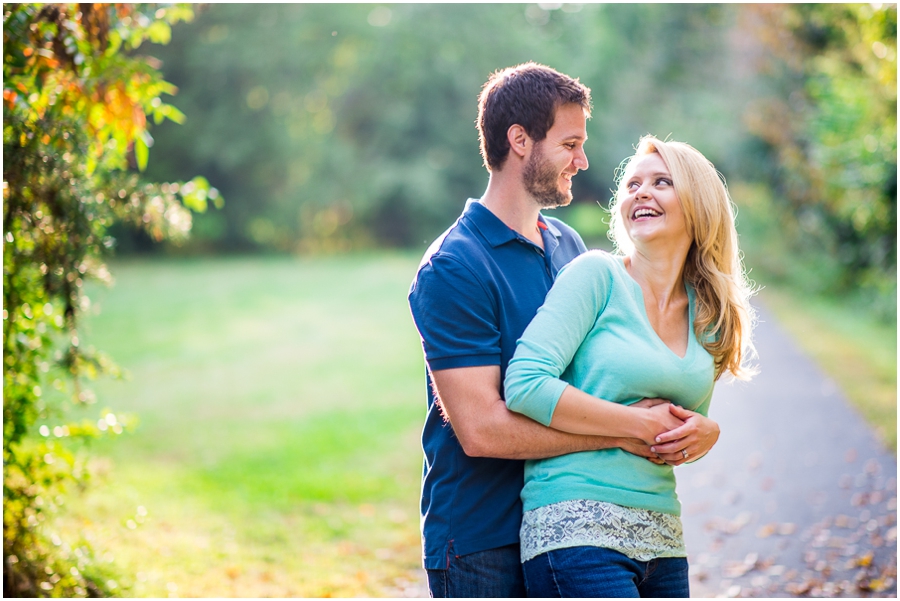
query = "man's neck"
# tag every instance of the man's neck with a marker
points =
(513, 206)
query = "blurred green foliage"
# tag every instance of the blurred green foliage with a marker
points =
(76, 101)
(339, 126)
(830, 121)
(333, 127)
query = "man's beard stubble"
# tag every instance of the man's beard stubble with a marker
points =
(541, 180)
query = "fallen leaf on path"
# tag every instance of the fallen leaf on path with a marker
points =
(736, 569)
(798, 588)
(787, 529)
(729, 526)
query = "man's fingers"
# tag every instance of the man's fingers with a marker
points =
(641, 450)
(647, 403)
(680, 412)
(673, 459)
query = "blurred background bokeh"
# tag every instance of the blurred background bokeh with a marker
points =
(352, 126)
(264, 438)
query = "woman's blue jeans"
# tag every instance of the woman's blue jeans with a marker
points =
(599, 572)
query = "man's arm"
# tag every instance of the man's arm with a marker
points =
(470, 399)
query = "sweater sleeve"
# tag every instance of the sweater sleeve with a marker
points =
(580, 293)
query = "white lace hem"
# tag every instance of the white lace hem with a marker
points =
(640, 534)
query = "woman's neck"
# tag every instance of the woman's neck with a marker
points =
(660, 275)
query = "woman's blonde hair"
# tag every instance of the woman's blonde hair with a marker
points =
(724, 319)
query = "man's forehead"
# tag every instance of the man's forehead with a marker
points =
(568, 124)
(571, 132)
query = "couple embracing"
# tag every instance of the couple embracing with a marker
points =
(565, 384)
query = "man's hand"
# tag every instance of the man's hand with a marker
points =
(647, 403)
(688, 442)
(638, 447)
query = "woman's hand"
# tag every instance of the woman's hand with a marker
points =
(689, 441)
(658, 420)
(638, 447)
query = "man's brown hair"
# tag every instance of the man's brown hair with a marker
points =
(526, 95)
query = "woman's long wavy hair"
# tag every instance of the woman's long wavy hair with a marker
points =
(724, 319)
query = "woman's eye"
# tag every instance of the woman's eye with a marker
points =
(663, 182)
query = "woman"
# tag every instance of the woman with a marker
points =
(664, 317)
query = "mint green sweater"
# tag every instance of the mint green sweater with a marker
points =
(593, 333)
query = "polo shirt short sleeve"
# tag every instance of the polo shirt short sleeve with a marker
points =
(461, 329)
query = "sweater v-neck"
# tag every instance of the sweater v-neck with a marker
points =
(638, 294)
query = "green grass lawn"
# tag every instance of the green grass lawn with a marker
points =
(280, 403)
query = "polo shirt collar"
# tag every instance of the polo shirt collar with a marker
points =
(492, 228)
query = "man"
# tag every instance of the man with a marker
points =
(477, 288)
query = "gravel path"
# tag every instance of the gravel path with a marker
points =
(797, 498)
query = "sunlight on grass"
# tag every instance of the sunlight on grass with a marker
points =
(280, 403)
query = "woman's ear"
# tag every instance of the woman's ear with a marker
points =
(518, 139)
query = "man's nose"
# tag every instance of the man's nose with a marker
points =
(581, 161)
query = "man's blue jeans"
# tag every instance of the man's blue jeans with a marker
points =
(599, 572)
(491, 573)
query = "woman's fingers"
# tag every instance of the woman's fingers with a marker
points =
(682, 431)
(671, 448)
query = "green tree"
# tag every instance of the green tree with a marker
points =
(329, 126)
(76, 103)
(830, 119)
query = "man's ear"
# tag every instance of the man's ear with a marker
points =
(518, 139)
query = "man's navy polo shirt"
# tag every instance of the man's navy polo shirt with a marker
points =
(477, 288)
